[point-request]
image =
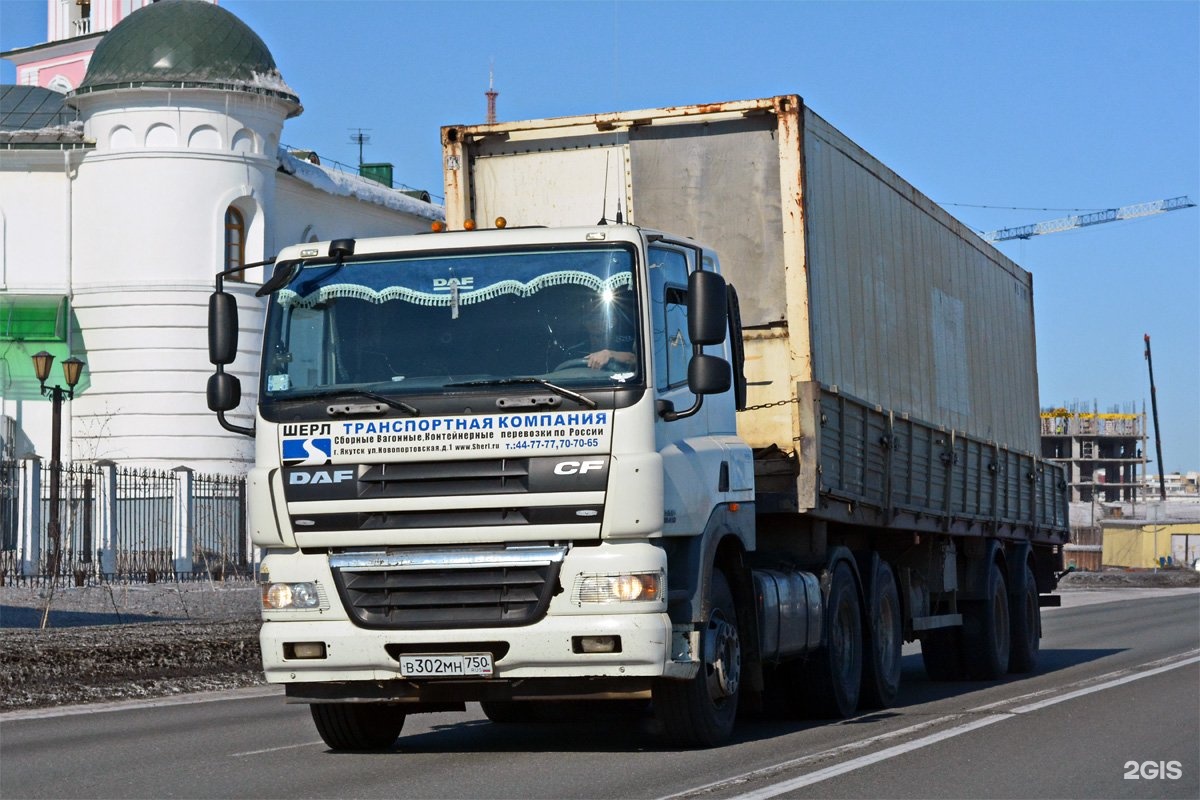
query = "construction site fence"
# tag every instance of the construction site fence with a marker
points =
(119, 524)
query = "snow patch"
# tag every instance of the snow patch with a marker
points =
(345, 184)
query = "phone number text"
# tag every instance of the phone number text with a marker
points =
(550, 444)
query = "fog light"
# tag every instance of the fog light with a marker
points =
(596, 644)
(304, 650)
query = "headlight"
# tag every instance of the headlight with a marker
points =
(621, 588)
(290, 595)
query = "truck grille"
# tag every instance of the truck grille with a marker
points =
(448, 589)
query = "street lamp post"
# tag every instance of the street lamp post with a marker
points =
(72, 369)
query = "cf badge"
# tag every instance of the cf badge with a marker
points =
(577, 467)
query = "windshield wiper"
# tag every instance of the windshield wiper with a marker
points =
(367, 393)
(559, 390)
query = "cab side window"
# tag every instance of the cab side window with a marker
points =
(668, 299)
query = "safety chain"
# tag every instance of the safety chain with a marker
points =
(772, 405)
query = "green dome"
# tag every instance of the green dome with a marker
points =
(184, 43)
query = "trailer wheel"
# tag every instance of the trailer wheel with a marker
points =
(700, 712)
(1026, 627)
(357, 726)
(986, 630)
(832, 678)
(941, 650)
(882, 641)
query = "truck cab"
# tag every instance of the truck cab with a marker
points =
(492, 456)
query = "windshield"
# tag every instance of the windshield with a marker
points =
(418, 324)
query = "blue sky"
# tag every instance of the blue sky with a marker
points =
(1031, 109)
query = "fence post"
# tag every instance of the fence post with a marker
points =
(29, 516)
(183, 517)
(244, 546)
(106, 518)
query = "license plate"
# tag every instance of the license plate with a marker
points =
(456, 665)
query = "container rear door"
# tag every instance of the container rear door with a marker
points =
(556, 184)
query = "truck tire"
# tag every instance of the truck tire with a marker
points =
(882, 640)
(941, 650)
(1026, 616)
(357, 726)
(986, 631)
(831, 679)
(700, 712)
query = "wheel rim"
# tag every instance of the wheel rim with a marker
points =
(722, 658)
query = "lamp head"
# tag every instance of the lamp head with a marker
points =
(41, 365)
(72, 369)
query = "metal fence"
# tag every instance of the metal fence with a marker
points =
(121, 524)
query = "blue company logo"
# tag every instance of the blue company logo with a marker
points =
(306, 451)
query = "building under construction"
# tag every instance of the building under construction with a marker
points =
(1102, 452)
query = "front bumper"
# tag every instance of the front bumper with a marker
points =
(545, 649)
(541, 650)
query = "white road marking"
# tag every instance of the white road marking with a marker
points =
(1137, 676)
(824, 755)
(276, 749)
(782, 787)
(777, 789)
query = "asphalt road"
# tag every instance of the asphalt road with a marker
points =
(1114, 706)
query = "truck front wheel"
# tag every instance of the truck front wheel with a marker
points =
(357, 726)
(700, 712)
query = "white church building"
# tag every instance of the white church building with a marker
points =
(140, 155)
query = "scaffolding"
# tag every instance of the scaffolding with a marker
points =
(1102, 451)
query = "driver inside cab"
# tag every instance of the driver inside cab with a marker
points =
(612, 332)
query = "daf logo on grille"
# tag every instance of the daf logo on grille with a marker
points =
(321, 476)
(576, 467)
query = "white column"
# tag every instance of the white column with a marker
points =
(184, 510)
(106, 518)
(29, 516)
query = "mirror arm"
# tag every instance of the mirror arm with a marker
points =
(229, 426)
(666, 409)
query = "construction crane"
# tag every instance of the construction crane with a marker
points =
(1094, 218)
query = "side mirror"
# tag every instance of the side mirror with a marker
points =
(224, 392)
(709, 375)
(222, 328)
(708, 305)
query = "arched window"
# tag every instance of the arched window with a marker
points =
(235, 243)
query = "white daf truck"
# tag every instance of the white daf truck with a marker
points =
(552, 455)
